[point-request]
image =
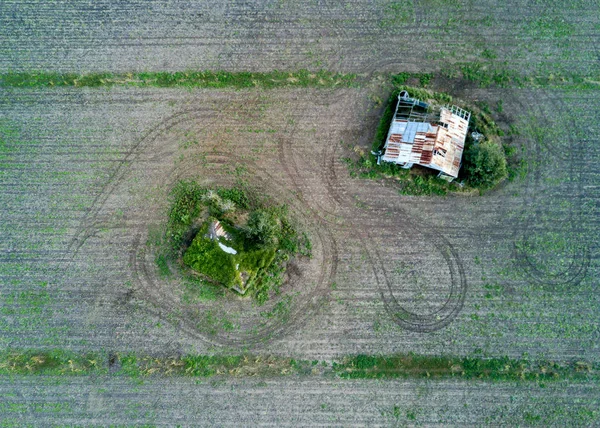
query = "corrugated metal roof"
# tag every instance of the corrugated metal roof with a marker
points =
(435, 145)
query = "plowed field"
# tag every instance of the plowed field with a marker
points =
(85, 175)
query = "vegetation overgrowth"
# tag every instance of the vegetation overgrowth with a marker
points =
(484, 73)
(263, 237)
(503, 368)
(189, 79)
(68, 363)
(484, 163)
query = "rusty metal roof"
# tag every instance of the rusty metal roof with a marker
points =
(438, 145)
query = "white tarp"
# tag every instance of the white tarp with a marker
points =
(227, 249)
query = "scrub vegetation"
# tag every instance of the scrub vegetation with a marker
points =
(260, 239)
(66, 363)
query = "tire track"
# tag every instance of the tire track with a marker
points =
(407, 319)
(148, 285)
(524, 242)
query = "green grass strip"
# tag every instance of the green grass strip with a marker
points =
(484, 74)
(501, 369)
(69, 363)
(185, 79)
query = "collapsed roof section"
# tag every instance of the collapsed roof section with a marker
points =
(433, 140)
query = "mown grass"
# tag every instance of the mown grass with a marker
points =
(69, 363)
(186, 79)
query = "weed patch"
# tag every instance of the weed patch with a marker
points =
(186, 79)
(411, 365)
(68, 363)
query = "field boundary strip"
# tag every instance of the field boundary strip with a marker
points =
(70, 363)
(482, 74)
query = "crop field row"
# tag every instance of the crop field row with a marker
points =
(28, 401)
(357, 36)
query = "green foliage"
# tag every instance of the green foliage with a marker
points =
(489, 54)
(205, 256)
(263, 245)
(425, 79)
(271, 278)
(426, 185)
(385, 121)
(69, 363)
(365, 362)
(422, 93)
(185, 207)
(411, 366)
(236, 195)
(409, 182)
(262, 227)
(484, 164)
(486, 75)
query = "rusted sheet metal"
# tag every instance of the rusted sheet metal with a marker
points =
(435, 145)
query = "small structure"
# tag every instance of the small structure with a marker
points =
(216, 231)
(431, 139)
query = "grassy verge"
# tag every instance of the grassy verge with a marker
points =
(68, 363)
(186, 79)
(52, 362)
(502, 369)
(484, 73)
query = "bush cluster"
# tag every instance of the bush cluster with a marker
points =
(264, 241)
(484, 164)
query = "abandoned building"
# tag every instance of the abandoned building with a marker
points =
(216, 231)
(433, 139)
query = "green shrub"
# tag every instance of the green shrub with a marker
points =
(235, 195)
(186, 198)
(262, 227)
(263, 245)
(484, 164)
